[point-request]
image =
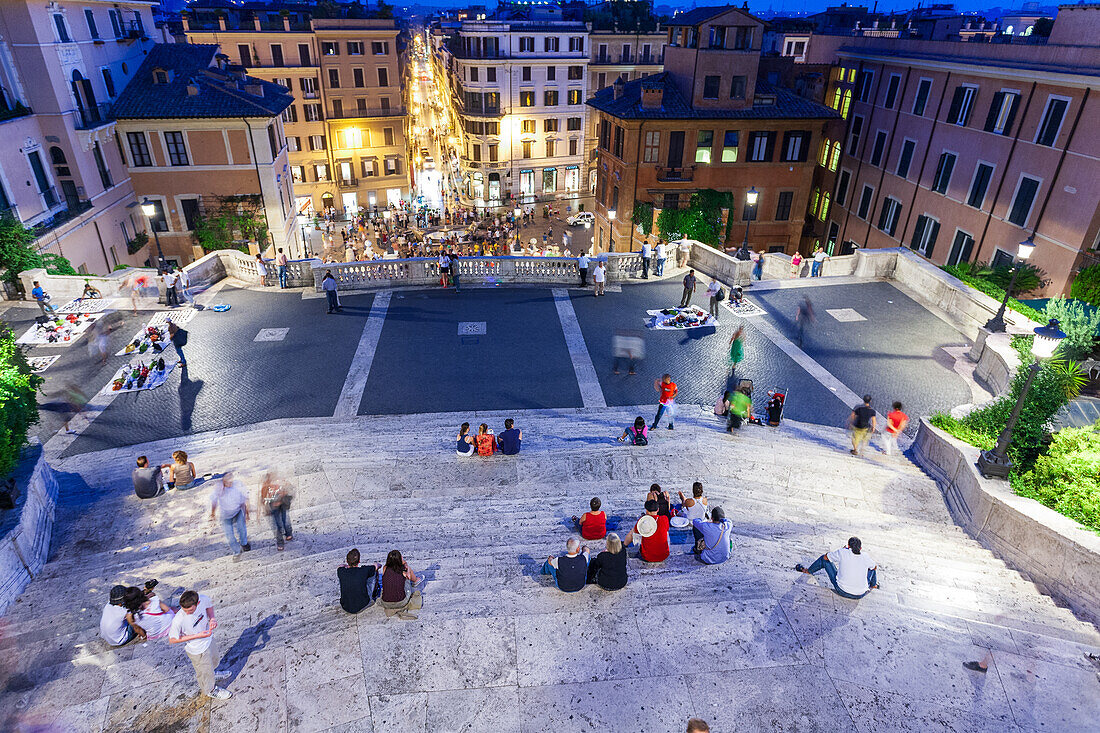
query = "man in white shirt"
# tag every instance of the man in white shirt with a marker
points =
(230, 504)
(599, 277)
(819, 261)
(852, 573)
(171, 297)
(683, 251)
(645, 259)
(660, 255)
(183, 283)
(194, 626)
(113, 626)
(582, 266)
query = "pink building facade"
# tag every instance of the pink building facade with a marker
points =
(962, 150)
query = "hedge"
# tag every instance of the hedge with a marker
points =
(993, 291)
(18, 400)
(1067, 477)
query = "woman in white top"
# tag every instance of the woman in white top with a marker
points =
(148, 613)
(695, 507)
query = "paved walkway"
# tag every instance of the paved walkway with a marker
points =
(748, 645)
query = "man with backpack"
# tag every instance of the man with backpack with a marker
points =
(178, 337)
(716, 294)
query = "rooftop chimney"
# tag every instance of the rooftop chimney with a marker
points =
(192, 89)
(652, 96)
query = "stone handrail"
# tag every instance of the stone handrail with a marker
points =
(1053, 551)
(63, 288)
(26, 529)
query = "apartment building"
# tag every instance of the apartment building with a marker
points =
(346, 126)
(200, 138)
(708, 122)
(614, 55)
(61, 65)
(962, 150)
(516, 97)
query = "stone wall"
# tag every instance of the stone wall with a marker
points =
(1054, 552)
(25, 531)
(63, 288)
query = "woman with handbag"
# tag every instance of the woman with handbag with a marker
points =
(275, 498)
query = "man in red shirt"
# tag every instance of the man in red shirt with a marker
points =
(895, 424)
(666, 400)
(653, 531)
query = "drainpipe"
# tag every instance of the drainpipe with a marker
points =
(259, 180)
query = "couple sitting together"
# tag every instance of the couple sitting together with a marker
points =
(485, 443)
(395, 581)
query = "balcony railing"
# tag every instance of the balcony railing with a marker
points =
(348, 183)
(676, 174)
(97, 115)
(349, 114)
(61, 217)
(16, 110)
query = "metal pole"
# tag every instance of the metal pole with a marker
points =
(160, 253)
(997, 322)
(996, 462)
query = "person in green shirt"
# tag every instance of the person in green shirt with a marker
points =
(738, 408)
(737, 349)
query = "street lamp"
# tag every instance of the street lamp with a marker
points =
(150, 210)
(611, 214)
(997, 322)
(750, 200)
(996, 463)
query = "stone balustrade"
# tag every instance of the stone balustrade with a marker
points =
(63, 288)
(25, 531)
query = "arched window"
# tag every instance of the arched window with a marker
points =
(814, 200)
(834, 160)
(823, 158)
(57, 156)
(846, 103)
(1008, 30)
(823, 211)
(835, 104)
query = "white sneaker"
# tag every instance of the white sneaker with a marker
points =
(219, 693)
(222, 676)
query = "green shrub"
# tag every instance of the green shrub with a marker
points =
(18, 403)
(643, 217)
(1086, 285)
(17, 253)
(1081, 326)
(1067, 477)
(993, 291)
(701, 220)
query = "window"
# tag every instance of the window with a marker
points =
(101, 166)
(982, 175)
(549, 148)
(303, 54)
(320, 172)
(138, 24)
(742, 39)
(92, 30)
(177, 150)
(380, 48)
(834, 156)
(293, 143)
(330, 48)
(846, 104)
(290, 114)
(960, 248)
(842, 182)
(526, 145)
(387, 136)
(796, 145)
(476, 150)
(617, 150)
(355, 48)
(761, 145)
(357, 79)
(1023, 200)
(573, 123)
(924, 235)
(704, 145)
(473, 73)
(573, 146)
(383, 76)
(491, 74)
(337, 108)
(576, 44)
(527, 126)
(944, 169)
(1002, 112)
(526, 99)
(717, 36)
(334, 78)
(823, 211)
(905, 158)
(962, 104)
(889, 214)
(108, 82)
(312, 112)
(526, 44)
(549, 179)
(879, 148)
(525, 73)
(492, 128)
(550, 124)
(605, 135)
(576, 73)
(865, 199)
(863, 86)
(493, 147)
(551, 73)
(892, 91)
(920, 101)
(316, 142)
(158, 220)
(298, 173)
(309, 87)
(783, 206)
(652, 150)
(857, 130)
(276, 54)
(737, 87)
(139, 150)
(1052, 121)
(710, 87)
(574, 96)
(62, 29)
(550, 98)
(729, 146)
(116, 22)
(392, 166)
(550, 44)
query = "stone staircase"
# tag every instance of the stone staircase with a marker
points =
(495, 648)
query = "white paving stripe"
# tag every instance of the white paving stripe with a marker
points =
(591, 394)
(352, 393)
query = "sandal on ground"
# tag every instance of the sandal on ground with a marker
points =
(975, 667)
(800, 568)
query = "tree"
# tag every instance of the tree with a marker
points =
(232, 223)
(18, 401)
(1042, 27)
(17, 253)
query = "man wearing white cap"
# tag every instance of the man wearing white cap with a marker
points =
(652, 530)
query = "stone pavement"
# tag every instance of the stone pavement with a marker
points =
(748, 645)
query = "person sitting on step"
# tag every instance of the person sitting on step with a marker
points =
(852, 573)
(399, 593)
(608, 569)
(694, 507)
(663, 499)
(569, 571)
(714, 538)
(651, 530)
(465, 441)
(358, 583)
(509, 441)
(638, 434)
(593, 524)
(485, 441)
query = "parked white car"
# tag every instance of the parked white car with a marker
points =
(584, 217)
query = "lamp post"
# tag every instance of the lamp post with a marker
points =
(611, 214)
(996, 463)
(997, 322)
(150, 210)
(750, 200)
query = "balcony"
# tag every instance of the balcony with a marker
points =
(358, 112)
(650, 59)
(62, 217)
(89, 118)
(673, 175)
(348, 183)
(14, 111)
(131, 31)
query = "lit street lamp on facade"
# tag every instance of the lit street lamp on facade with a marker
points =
(996, 463)
(150, 210)
(611, 214)
(750, 201)
(997, 322)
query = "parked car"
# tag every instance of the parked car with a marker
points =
(580, 219)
